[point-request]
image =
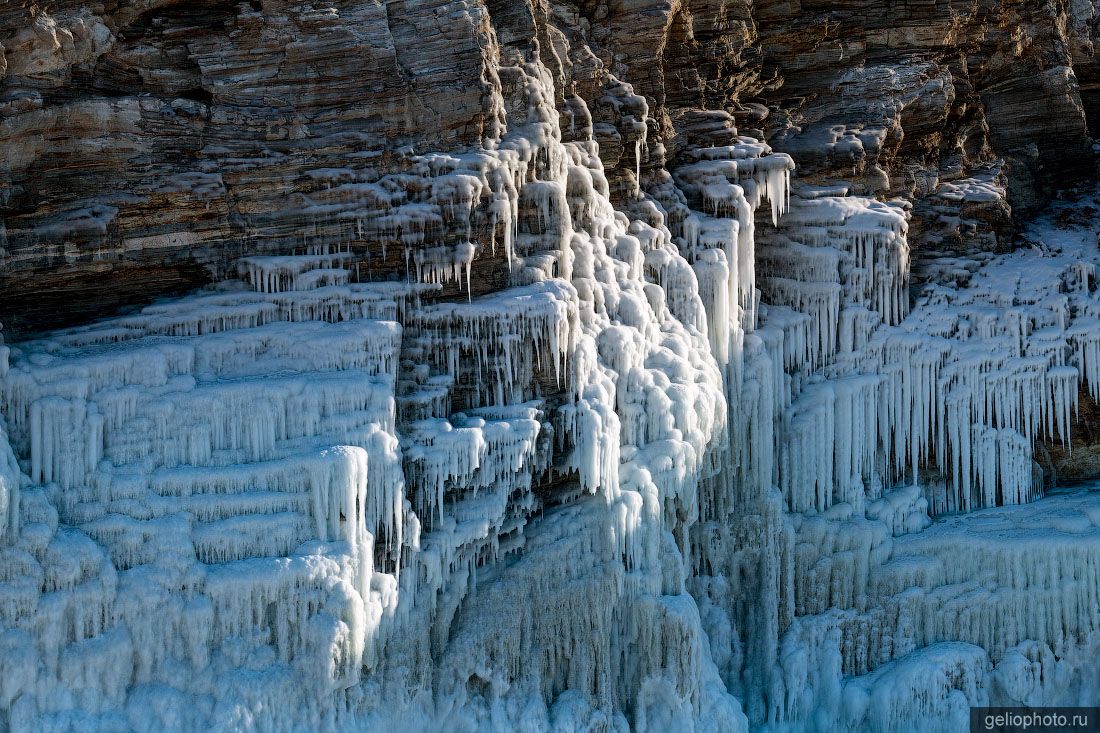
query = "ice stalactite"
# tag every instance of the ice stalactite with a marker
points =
(965, 384)
(10, 475)
(861, 396)
(953, 396)
(276, 274)
(193, 468)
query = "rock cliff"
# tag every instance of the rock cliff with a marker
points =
(153, 143)
(475, 364)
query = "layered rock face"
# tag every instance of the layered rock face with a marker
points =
(555, 365)
(157, 142)
(946, 104)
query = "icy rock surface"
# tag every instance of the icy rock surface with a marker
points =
(294, 501)
(679, 471)
(152, 140)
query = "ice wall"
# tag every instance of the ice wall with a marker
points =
(676, 472)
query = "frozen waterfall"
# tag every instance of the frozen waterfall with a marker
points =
(699, 463)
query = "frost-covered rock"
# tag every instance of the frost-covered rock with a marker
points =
(581, 412)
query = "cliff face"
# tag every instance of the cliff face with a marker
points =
(156, 142)
(935, 102)
(151, 144)
(534, 385)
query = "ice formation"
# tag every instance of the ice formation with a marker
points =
(317, 497)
